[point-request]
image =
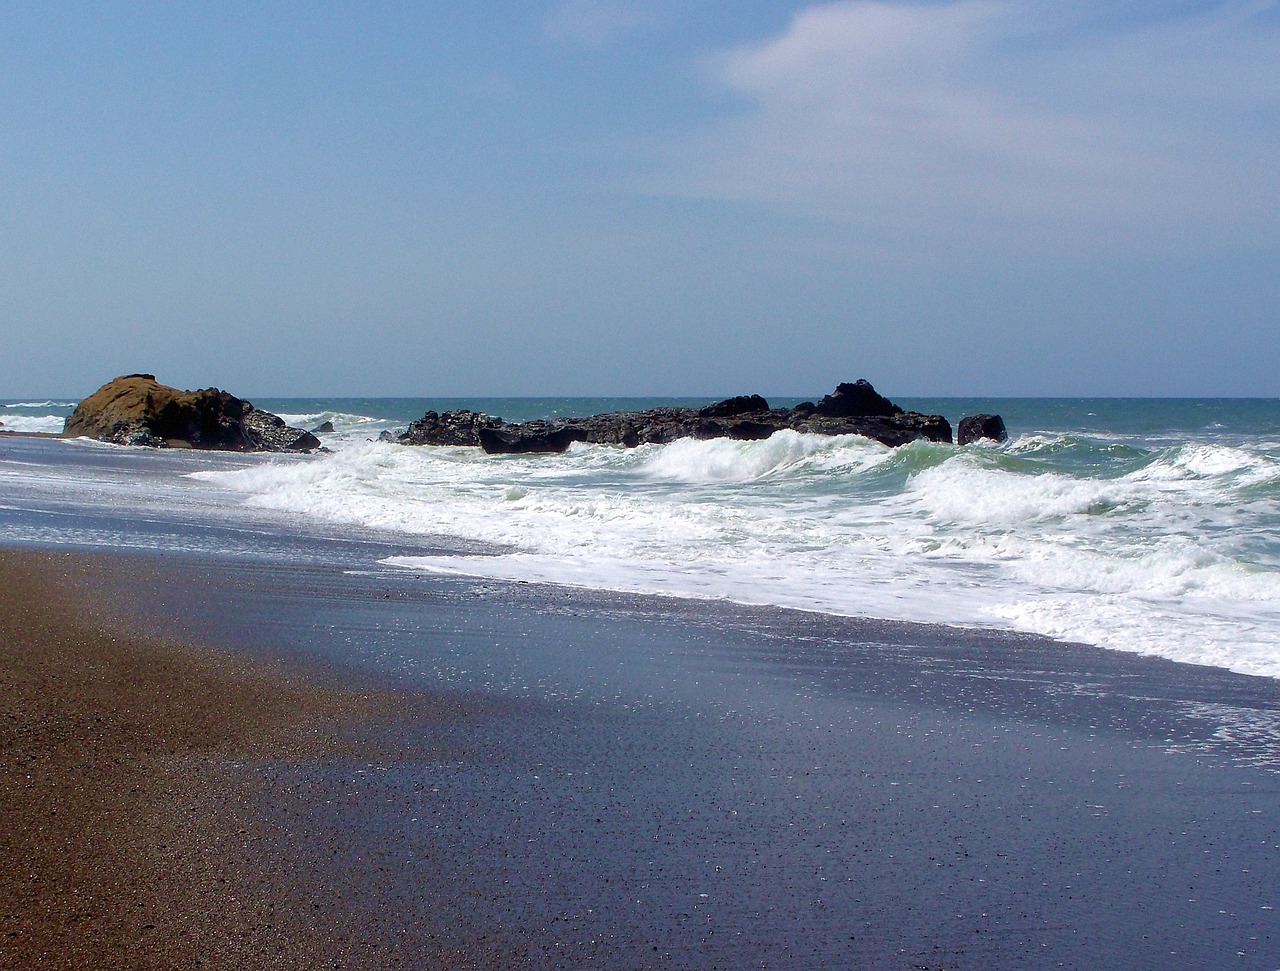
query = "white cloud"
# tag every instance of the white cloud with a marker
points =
(596, 23)
(998, 120)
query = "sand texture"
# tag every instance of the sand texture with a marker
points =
(130, 839)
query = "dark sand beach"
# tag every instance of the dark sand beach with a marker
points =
(132, 837)
(378, 770)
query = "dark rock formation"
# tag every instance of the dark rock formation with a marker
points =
(743, 404)
(451, 428)
(975, 428)
(266, 432)
(857, 400)
(893, 430)
(529, 436)
(136, 410)
(852, 409)
(324, 428)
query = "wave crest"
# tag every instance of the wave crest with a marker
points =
(1152, 550)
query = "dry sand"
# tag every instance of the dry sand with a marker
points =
(129, 835)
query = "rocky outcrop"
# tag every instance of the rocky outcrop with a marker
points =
(852, 409)
(460, 427)
(976, 428)
(893, 430)
(530, 436)
(743, 404)
(137, 410)
(857, 400)
(266, 432)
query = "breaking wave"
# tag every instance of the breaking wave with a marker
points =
(1170, 551)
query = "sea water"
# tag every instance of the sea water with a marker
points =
(1150, 526)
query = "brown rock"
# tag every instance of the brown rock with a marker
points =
(138, 410)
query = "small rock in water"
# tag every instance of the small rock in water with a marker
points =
(976, 428)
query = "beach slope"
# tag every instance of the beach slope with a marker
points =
(129, 839)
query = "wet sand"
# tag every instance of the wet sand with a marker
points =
(386, 770)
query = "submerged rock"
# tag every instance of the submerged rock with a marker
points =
(137, 410)
(852, 409)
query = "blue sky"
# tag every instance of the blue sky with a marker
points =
(983, 197)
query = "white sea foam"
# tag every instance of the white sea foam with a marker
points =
(1209, 462)
(1249, 733)
(962, 493)
(47, 424)
(347, 428)
(1161, 553)
(782, 454)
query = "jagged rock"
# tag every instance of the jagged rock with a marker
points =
(852, 409)
(268, 433)
(460, 427)
(137, 410)
(857, 400)
(134, 433)
(749, 430)
(892, 430)
(656, 426)
(743, 404)
(324, 428)
(976, 428)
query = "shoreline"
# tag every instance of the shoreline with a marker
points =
(452, 772)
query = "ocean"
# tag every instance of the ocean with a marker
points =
(1140, 525)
